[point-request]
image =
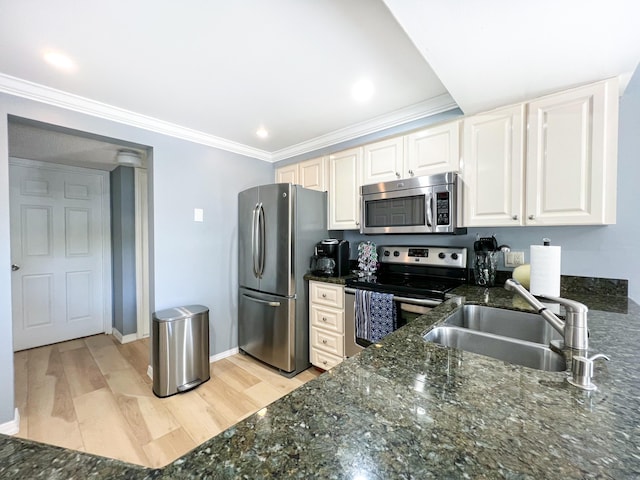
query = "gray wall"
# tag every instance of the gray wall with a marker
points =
(603, 251)
(123, 249)
(191, 262)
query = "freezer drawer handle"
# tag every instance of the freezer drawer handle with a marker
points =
(254, 299)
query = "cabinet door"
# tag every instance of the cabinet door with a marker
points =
(433, 150)
(312, 174)
(344, 189)
(571, 157)
(493, 168)
(383, 161)
(287, 174)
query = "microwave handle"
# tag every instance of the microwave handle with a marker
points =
(429, 209)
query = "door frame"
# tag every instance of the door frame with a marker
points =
(107, 297)
(141, 186)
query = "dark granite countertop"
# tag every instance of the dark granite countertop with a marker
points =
(336, 280)
(411, 410)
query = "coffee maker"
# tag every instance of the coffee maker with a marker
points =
(331, 258)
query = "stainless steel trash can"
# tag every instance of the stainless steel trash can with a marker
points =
(180, 349)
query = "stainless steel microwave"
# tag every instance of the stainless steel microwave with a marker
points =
(426, 204)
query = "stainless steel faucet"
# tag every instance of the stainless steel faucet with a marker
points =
(573, 329)
(574, 332)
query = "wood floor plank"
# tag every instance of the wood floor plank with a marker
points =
(97, 341)
(71, 345)
(52, 418)
(127, 381)
(20, 371)
(167, 448)
(195, 414)
(228, 403)
(104, 429)
(81, 371)
(94, 395)
(263, 393)
(265, 373)
(234, 375)
(108, 358)
(138, 354)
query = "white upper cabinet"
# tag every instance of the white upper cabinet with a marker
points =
(568, 175)
(383, 161)
(433, 150)
(287, 174)
(344, 189)
(572, 157)
(313, 173)
(493, 168)
(310, 174)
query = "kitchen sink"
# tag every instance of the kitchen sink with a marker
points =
(519, 338)
(530, 327)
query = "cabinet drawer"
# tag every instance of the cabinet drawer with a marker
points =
(327, 318)
(327, 294)
(328, 341)
(324, 360)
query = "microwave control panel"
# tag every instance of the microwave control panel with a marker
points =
(443, 210)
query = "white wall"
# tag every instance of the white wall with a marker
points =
(193, 262)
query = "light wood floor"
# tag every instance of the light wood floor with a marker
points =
(93, 395)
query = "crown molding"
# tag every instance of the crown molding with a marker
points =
(441, 103)
(58, 98)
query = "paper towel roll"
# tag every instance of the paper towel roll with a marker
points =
(545, 270)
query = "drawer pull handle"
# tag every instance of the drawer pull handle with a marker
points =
(324, 295)
(324, 341)
(324, 319)
(324, 363)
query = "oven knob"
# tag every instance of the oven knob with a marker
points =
(386, 253)
(441, 255)
(454, 256)
(396, 253)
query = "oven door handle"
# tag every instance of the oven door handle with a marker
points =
(424, 302)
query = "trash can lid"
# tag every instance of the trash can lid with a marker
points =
(178, 313)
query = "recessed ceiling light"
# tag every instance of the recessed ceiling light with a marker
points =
(262, 132)
(362, 90)
(59, 60)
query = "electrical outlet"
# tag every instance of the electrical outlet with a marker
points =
(513, 259)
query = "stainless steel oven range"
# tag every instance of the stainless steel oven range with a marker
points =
(418, 277)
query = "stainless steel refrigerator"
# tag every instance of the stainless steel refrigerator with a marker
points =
(278, 226)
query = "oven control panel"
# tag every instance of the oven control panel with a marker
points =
(432, 256)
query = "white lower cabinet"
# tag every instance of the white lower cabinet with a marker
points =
(326, 329)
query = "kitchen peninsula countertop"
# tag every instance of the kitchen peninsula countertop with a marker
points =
(407, 409)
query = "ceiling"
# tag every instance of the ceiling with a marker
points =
(216, 71)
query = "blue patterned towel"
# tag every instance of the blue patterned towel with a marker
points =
(375, 315)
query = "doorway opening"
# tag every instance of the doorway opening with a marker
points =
(61, 216)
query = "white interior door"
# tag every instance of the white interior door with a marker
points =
(60, 242)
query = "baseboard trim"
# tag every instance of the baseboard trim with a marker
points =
(12, 426)
(221, 355)
(132, 337)
(212, 358)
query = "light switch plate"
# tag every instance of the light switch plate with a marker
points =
(198, 215)
(513, 259)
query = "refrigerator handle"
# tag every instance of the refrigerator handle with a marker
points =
(261, 223)
(254, 241)
(430, 209)
(265, 302)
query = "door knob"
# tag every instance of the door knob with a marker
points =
(14, 267)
